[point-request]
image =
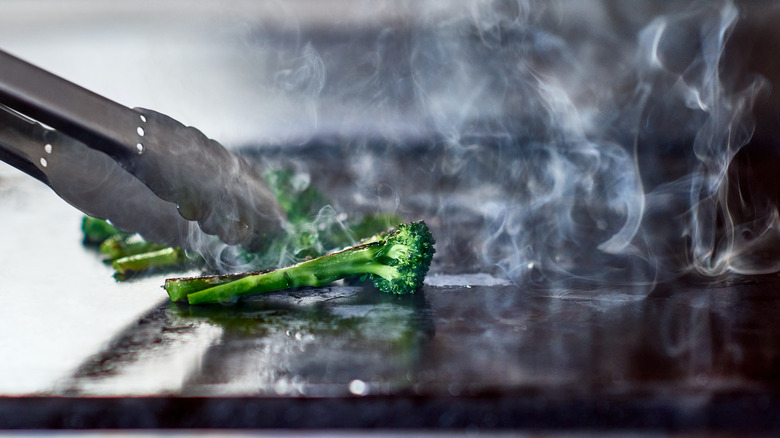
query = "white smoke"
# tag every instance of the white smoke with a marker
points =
(577, 128)
(585, 140)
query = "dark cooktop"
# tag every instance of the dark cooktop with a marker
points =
(473, 349)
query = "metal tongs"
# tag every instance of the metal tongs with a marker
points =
(140, 169)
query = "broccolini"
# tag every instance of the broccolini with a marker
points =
(396, 262)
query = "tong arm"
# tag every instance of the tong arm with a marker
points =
(208, 184)
(69, 108)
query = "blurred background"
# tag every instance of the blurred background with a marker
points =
(623, 145)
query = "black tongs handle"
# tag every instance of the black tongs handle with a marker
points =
(88, 117)
(208, 184)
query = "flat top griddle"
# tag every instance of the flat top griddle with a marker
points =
(473, 349)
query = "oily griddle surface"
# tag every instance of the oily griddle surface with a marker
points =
(471, 349)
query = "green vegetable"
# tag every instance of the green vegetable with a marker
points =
(129, 253)
(300, 200)
(165, 257)
(179, 288)
(97, 230)
(396, 262)
(315, 229)
(119, 245)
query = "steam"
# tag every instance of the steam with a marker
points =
(304, 81)
(592, 142)
(579, 161)
(721, 126)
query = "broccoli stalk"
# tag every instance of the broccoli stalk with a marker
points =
(396, 262)
(179, 288)
(161, 258)
(121, 245)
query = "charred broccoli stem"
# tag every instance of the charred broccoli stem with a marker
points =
(119, 246)
(396, 262)
(179, 288)
(161, 258)
(129, 253)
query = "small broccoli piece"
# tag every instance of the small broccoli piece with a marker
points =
(162, 258)
(298, 198)
(98, 230)
(120, 245)
(396, 262)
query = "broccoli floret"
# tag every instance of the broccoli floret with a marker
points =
(298, 198)
(396, 262)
